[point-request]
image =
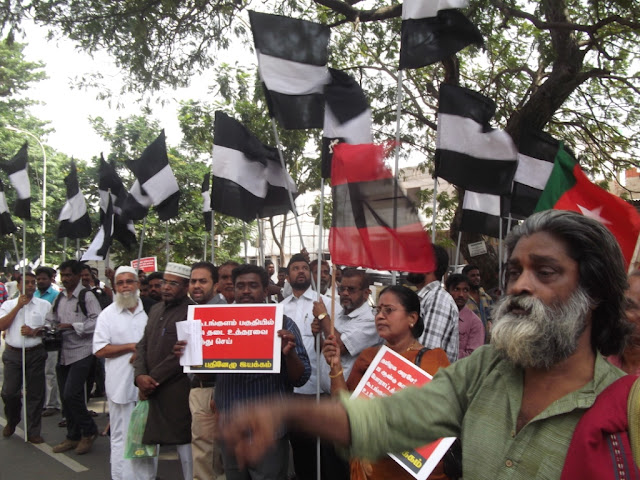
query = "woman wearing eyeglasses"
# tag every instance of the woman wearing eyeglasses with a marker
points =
(399, 324)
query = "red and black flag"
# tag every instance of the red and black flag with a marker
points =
(374, 224)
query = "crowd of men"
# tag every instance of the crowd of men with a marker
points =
(563, 310)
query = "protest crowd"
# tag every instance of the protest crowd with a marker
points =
(539, 373)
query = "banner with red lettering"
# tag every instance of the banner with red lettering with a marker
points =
(238, 338)
(387, 374)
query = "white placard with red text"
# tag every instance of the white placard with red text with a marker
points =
(238, 338)
(388, 373)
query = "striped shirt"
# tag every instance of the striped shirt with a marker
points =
(234, 388)
(440, 314)
(477, 399)
(77, 342)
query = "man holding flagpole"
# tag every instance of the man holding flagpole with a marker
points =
(22, 319)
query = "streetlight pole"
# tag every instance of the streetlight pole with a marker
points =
(44, 187)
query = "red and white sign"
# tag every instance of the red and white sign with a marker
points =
(147, 264)
(388, 373)
(238, 338)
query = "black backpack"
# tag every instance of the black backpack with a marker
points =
(81, 301)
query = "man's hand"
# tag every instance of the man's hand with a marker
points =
(27, 331)
(316, 328)
(22, 301)
(133, 357)
(146, 384)
(288, 341)
(178, 348)
(319, 309)
(252, 431)
(110, 273)
(331, 353)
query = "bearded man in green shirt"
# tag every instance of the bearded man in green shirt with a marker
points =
(522, 395)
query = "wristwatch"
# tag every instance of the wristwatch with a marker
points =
(322, 315)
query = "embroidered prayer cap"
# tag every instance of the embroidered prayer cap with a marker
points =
(178, 270)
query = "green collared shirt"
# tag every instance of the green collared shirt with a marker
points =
(477, 399)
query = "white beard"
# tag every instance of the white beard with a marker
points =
(127, 299)
(543, 336)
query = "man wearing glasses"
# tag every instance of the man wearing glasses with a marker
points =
(158, 373)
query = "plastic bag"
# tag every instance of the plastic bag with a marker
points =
(134, 447)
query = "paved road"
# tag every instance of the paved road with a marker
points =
(23, 461)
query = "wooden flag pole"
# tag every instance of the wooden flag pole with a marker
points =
(397, 162)
(293, 205)
(213, 237)
(144, 228)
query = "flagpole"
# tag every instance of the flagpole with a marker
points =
(24, 350)
(64, 249)
(166, 240)
(435, 206)
(246, 246)
(293, 205)
(213, 237)
(144, 228)
(204, 252)
(458, 249)
(260, 240)
(500, 249)
(15, 245)
(77, 249)
(397, 161)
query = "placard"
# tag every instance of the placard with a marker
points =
(238, 338)
(477, 248)
(147, 264)
(388, 373)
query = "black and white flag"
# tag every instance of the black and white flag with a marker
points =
(99, 248)
(482, 213)
(155, 184)
(7, 226)
(292, 63)
(16, 168)
(469, 152)
(74, 219)
(111, 189)
(433, 30)
(347, 116)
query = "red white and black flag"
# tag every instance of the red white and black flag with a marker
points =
(16, 168)
(433, 30)
(374, 224)
(248, 181)
(155, 184)
(347, 116)
(112, 190)
(292, 63)
(469, 152)
(7, 226)
(74, 219)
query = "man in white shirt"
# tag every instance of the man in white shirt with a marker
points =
(22, 319)
(118, 328)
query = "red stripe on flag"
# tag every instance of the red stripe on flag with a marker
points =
(365, 164)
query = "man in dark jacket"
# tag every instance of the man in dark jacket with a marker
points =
(158, 373)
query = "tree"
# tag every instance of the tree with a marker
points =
(569, 67)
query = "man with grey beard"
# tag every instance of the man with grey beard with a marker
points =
(523, 395)
(118, 328)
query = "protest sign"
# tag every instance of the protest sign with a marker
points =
(238, 338)
(147, 264)
(388, 373)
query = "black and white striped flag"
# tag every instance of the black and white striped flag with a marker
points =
(7, 226)
(111, 189)
(74, 219)
(99, 248)
(16, 168)
(482, 213)
(155, 184)
(469, 152)
(292, 63)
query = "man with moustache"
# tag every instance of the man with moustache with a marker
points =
(207, 459)
(118, 328)
(155, 286)
(224, 287)
(158, 373)
(524, 394)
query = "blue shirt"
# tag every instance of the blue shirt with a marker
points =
(49, 295)
(234, 388)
